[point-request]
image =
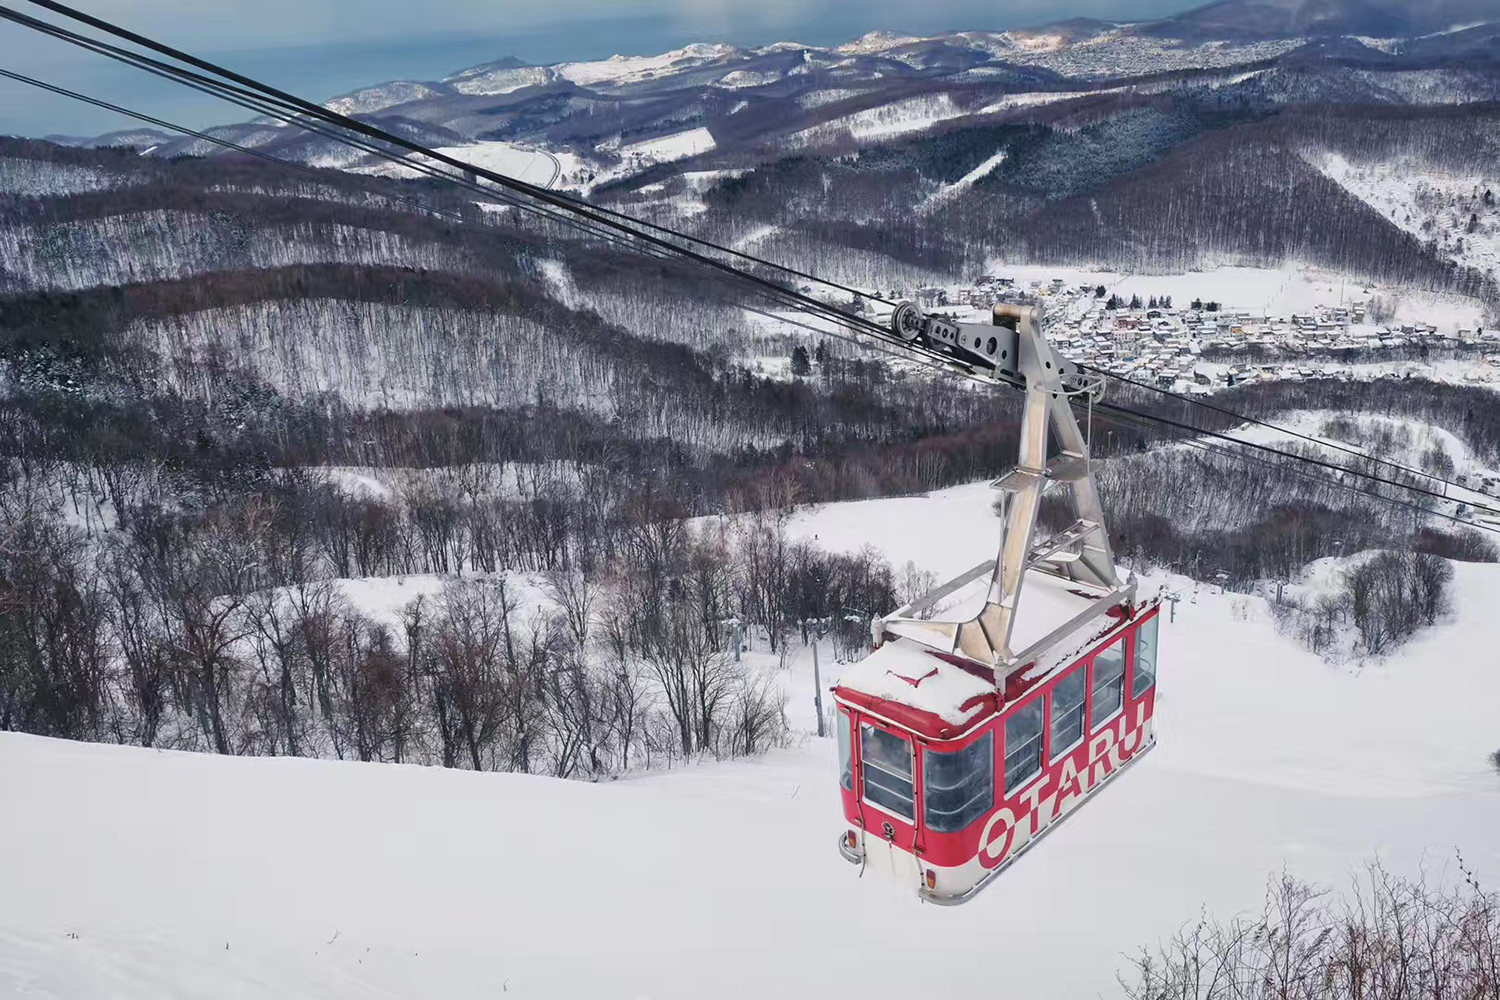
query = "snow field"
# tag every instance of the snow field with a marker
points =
(329, 879)
(1284, 291)
(1428, 203)
(534, 166)
(948, 192)
(670, 148)
(885, 121)
(618, 69)
(1422, 438)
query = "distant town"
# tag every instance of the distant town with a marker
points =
(1201, 347)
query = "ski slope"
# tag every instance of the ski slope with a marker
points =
(134, 873)
(534, 166)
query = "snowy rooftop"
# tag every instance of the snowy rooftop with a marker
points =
(1047, 603)
(908, 674)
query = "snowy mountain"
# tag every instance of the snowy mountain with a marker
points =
(783, 95)
(1240, 19)
(1061, 144)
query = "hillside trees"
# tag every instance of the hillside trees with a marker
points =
(54, 641)
(1394, 594)
(195, 634)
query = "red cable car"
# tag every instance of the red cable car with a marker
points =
(963, 741)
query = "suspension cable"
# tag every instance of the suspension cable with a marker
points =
(1332, 445)
(332, 117)
(875, 335)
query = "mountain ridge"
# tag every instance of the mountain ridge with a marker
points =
(473, 101)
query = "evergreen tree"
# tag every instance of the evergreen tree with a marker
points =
(800, 364)
(1135, 302)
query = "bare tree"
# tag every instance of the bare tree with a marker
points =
(468, 650)
(1392, 938)
(576, 595)
(280, 650)
(144, 649)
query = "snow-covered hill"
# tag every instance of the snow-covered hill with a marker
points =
(1456, 211)
(769, 97)
(137, 873)
(1190, 142)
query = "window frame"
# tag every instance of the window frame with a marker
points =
(866, 766)
(1119, 641)
(1055, 754)
(1006, 791)
(984, 745)
(845, 740)
(1154, 624)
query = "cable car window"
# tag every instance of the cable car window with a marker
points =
(1023, 745)
(1145, 658)
(887, 771)
(846, 754)
(1109, 683)
(958, 788)
(1067, 711)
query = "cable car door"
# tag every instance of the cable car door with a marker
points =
(888, 799)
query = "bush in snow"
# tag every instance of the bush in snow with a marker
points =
(1495, 761)
(1386, 599)
(1394, 594)
(1393, 938)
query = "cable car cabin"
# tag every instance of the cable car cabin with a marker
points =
(946, 780)
(964, 740)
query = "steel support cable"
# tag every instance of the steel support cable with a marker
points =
(1287, 467)
(221, 141)
(252, 102)
(307, 107)
(583, 210)
(853, 336)
(1335, 446)
(1117, 415)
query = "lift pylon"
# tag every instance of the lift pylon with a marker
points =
(1017, 349)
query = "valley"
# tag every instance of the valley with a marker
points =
(429, 519)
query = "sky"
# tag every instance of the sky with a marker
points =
(323, 48)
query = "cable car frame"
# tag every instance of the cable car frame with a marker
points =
(964, 741)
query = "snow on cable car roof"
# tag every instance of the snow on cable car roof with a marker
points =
(907, 673)
(903, 672)
(1046, 604)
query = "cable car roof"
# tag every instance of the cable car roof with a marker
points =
(939, 695)
(905, 675)
(1046, 604)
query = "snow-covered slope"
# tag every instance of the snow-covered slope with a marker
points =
(143, 874)
(534, 166)
(384, 96)
(1458, 212)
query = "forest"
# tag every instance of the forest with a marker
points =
(206, 364)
